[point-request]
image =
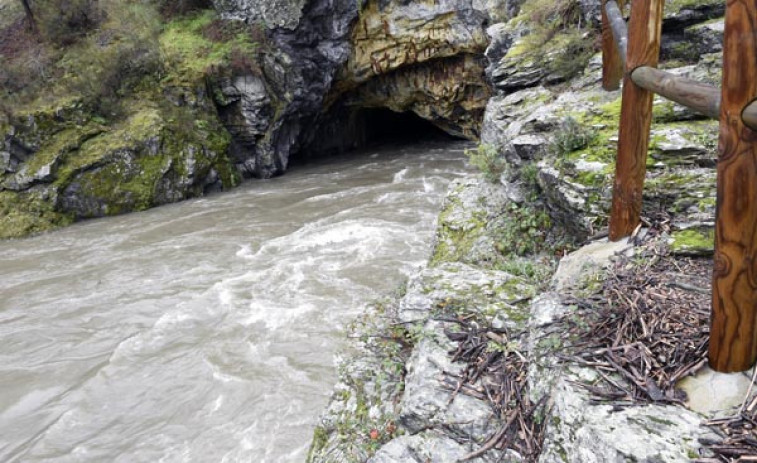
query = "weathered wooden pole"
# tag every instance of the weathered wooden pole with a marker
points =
(612, 62)
(644, 31)
(733, 336)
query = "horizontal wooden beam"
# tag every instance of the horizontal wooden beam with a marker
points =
(702, 98)
(749, 115)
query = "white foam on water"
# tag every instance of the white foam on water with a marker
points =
(210, 332)
(400, 176)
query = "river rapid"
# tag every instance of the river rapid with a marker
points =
(207, 330)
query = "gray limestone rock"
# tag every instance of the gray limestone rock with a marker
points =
(681, 14)
(431, 447)
(426, 403)
(579, 432)
(469, 207)
(272, 13)
(5, 162)
(473, 286)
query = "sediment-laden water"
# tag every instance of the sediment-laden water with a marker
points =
(206, 330)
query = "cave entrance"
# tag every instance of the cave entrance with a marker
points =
(348, 129)
(384, 126)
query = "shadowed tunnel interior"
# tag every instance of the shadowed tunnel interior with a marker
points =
(383, 126)
(347, 129)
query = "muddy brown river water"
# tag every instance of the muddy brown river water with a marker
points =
(207, 330)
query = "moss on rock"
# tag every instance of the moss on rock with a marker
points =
(27, 213)
(693, 241)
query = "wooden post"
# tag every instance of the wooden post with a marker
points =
(612, 67)
(733, 336)
(644, 31)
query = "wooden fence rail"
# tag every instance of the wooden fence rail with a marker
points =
(633, 56)
(702, 98)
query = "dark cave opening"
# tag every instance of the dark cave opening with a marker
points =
(348, 129)
(384, 126)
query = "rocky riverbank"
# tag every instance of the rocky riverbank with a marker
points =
(511, 246)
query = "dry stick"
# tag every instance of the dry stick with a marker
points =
(494, 439)
(688, 287)
(748, 391)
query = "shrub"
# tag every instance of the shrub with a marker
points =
(570, 136)
(63, 22)
(172, 8)
(575, 48)
(488, 160)
(526, 231)
(557, 40)
(121, 55)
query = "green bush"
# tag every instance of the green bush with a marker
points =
(63, 22)
(488, 160)
(526, 231)
(557, 40)
(575, 47)
(570, 136)
(120, 56)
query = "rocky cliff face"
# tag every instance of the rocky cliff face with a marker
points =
(268, 118)
(316, 64)
(58, 165)
(329, 59)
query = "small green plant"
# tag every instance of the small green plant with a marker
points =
(526, 231)
(557, 41)
(577, 49)
(570, 136)
(537, 272)
(488, 160)
(529, 175)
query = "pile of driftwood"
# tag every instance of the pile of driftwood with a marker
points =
(495, 371)
(739, 443)
(648, 325)
(647, 328)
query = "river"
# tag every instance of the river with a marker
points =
(207, 330)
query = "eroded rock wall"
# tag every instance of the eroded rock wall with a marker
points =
(309, 64)
(420, 56)
(424, 57)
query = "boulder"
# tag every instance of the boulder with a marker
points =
(430, 447)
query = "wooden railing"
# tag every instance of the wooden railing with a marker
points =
(633, 57)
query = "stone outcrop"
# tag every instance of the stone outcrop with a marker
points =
(272, 13)
(571, 137)
(337, 57)
(316, 64)
(559, 144)
(420, 57)
(269, 115)
(432, 423)
(64, 164)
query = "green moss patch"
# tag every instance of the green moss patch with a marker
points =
(28, 213)
(693, 241)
